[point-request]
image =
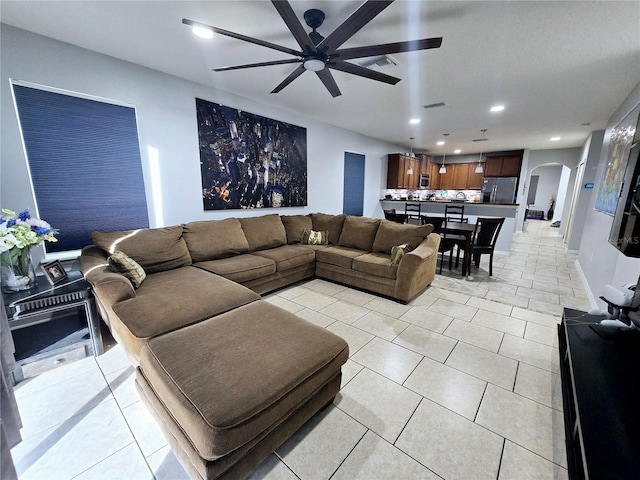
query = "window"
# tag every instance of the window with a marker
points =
(84, 161)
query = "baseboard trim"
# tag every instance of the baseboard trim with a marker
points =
(585, 284)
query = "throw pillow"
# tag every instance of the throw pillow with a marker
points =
(397, 252)
(311, 237)
(127, 266)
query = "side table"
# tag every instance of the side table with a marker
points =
(45, 303)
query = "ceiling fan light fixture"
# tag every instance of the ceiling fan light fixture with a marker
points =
(202, 32)
(314, 64)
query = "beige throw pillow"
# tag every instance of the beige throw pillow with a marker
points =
(312, 237)
(397, 252)
(127, 266)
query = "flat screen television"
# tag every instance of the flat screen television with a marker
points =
(625, 231)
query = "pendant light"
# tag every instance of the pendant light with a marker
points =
(443, 169)
(410, 169)
(479, 166)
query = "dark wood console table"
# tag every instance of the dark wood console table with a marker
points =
(599, 367)
(52, 323)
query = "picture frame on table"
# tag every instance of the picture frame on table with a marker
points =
(55, 272)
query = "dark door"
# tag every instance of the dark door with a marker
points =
(353, 195)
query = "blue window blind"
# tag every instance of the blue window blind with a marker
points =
(84, 159)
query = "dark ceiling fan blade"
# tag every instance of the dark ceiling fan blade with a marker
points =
(293, 23)
(260, 64)
(292, 76)
(363, 72)
(239, 36)
(329, 82)
(351, 25)
(388, 48)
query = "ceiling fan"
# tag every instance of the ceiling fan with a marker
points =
(319, 54)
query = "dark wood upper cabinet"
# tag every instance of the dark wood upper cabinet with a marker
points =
(403, 171)
(505, 166)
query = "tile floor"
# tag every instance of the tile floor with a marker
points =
(462, 383)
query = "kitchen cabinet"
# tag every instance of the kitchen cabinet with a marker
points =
(434, 176)
(474, 180)
(425, 165)
(505, 166)
(398, 166)
(460, 174)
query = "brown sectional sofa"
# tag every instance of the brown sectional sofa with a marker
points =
(228, 376)
(205, 268)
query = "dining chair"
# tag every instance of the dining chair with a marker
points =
(483, 241)
(455, 213)
(390, 214)
(446, 245)
(435, 221)
(413, 211)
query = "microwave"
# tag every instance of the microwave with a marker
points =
(424, 180)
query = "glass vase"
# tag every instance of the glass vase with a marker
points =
(16, 270)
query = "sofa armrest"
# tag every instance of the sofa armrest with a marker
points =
(417, 269)
(109, 287)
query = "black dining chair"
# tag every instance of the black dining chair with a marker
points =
(455, 213)
(446, 245)
(413, 211)
(390, 214)
(485, 235)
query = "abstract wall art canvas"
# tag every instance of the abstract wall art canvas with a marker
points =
(250, 161)
(612, 176)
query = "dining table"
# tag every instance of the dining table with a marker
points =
(465, 230)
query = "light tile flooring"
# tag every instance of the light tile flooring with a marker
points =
(462, 383)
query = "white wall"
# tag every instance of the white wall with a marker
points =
(165, 107)
(548, 181)
(599, 261)
(590, 156)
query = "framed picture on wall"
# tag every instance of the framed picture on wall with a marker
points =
(250, 161)
(619, 147)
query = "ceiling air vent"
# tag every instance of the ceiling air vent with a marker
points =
(480, 139)
(381, 61)
(435, 105)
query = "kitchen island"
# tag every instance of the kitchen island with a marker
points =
(472, 210)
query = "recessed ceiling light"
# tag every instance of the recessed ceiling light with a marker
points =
(457, 150)
(414, 121)
(440, 142)
(554, 139)
(497, 108)
(202, 32)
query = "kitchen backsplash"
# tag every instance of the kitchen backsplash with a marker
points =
(398, 194)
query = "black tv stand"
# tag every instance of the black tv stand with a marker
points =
(601, 397)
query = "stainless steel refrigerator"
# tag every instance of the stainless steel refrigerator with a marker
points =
(499, 189)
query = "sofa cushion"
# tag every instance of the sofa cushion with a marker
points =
(212, 239)
(122, 263)
(264, 232)
(155, 249)
(376, 264)
(288, 256)
(254, 366)
(332, 223)
(340, 256)
(390, 234)
(294, 225)
(241, 268)
(195, 295)
(359, 232)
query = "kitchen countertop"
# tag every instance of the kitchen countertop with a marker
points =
(466, 202)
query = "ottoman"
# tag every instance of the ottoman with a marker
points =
(229, 390)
